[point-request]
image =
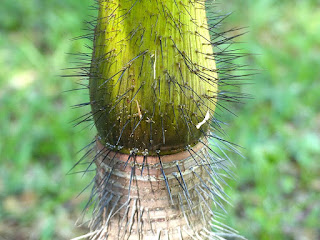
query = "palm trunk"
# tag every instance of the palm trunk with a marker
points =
(153, 91)
(137, 202)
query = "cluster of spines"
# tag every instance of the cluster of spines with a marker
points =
(224, 59)
(106, 203)
(149, 58)
(198, 176)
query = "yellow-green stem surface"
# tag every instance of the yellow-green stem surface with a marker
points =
(152, 76)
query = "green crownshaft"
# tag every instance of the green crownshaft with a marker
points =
(153, 80)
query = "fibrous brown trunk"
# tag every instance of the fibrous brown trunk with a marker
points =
(156, 197)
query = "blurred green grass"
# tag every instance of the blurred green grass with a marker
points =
(38, 144)
(277, 192)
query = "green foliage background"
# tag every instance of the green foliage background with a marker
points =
(277, 192)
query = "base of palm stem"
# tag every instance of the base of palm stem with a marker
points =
(158, 197)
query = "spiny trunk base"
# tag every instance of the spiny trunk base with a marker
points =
(156, 197)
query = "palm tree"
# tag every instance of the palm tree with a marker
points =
(153, 83)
